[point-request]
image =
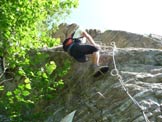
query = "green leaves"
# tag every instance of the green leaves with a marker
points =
(28, 86)
(27, 80)
(24, 27)
(21, 72)
(50, 67)
(1, 88)
(25, 93)
(9, 93)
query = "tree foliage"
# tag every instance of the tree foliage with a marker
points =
(24, 27)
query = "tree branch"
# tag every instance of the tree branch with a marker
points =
(5, 81)
(52, 49)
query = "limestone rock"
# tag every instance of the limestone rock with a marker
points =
(139, 62)
(122, 38)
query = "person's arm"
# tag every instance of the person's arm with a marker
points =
(89, 38)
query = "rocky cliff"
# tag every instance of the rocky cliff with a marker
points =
(138, 60)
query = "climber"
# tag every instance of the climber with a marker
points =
(76, 47)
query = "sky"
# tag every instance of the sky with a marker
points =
(136, 16)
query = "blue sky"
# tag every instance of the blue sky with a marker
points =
(137, 16)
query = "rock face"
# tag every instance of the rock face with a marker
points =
(139, 61)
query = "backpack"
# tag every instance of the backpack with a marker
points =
(70, 40)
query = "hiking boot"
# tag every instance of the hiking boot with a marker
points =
(100, 71)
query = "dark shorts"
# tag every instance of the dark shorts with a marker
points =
(79, 51)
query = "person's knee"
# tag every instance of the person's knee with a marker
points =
(97, 53)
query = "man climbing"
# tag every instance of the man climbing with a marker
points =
(76, 47)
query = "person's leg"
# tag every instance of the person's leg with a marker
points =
(79, 52)
(95, 58)
(89, 49)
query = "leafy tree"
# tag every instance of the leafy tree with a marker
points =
(24, 27)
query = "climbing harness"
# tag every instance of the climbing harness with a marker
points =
(115, 72)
